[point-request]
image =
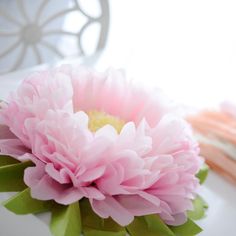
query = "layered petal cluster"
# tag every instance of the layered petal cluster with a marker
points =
(98, 136)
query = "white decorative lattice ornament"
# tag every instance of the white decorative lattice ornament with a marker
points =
(42, 31)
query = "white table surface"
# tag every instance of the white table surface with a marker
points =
(220, 195)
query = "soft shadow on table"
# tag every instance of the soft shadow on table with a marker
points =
(220, 196)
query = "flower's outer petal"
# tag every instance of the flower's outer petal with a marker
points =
(139, 206)
(111, 207)
(12, 147)
(5, 133)
(178, 219)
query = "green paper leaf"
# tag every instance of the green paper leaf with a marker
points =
(139, 227)
(22, 203)
(94, 232)
(150, 225)
(7, 160)
(93, 225)
(155, 224)
(66, 220)
(187, 229)
(203, 173)
(200, 207)
(11, 177)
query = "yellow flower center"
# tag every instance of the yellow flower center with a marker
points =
(98, 119)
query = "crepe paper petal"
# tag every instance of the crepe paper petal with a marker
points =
(11, 177)
(203, 173)
(22, 203)
(7, 160)
(187, 229)
(66, 220)
(93, 225)
(145, 225)
(200, 207)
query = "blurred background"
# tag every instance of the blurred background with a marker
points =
(185, 47)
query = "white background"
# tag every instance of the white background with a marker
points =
(186, 47)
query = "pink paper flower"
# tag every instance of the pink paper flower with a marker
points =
(98, 136)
